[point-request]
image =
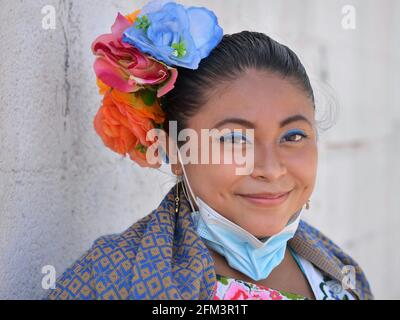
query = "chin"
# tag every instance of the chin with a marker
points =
(266, 229)
(268, 221)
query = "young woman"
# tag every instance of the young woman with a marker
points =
(216, 234)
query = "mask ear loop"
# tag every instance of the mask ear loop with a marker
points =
(185, 180)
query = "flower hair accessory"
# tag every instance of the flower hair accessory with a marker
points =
(135, 67)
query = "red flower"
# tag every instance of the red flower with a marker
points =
(240, 294)
(125, 68)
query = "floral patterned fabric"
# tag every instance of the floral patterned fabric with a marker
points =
(233, 289)
(322, 286)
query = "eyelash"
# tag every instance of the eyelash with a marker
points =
(296, 133)
(243, 139)
(232, 136)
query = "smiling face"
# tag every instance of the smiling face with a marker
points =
(285, 151)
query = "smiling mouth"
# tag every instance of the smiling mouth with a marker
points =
(266, 199)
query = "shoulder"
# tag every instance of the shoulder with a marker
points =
(335, 253)
(319, 240)
(103, 271)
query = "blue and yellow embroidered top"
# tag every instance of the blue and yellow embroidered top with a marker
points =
(162, 257)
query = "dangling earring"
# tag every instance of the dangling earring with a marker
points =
(177, 199)
(308, 205)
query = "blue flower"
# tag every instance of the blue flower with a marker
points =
(176, 35)
(154, 6)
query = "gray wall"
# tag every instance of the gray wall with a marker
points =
(60, 188)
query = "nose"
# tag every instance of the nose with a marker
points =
(268, 165)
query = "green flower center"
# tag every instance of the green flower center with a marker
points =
(141, 148)
(142, 23)
(180, 49)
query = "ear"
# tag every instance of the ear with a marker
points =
(176, 167)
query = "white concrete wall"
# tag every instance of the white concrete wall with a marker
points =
(60, 188)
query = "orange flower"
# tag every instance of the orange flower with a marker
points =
(123, 122)
(113, 127)
(139, 157)
(132, 17)
(103, 88)
(125, 118)
(154, 111)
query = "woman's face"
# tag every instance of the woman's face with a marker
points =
(285, 153)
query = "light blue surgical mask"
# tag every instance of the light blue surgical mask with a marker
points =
(243, 251)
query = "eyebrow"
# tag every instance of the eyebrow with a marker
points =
(249, 124)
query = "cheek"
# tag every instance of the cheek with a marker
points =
(209, 180)
(213, 181)
(222, 168)
(303, 166)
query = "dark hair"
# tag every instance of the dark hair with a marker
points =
(234, 55)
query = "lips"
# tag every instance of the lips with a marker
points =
(265, 195)
(266, 199)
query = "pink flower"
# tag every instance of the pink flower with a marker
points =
(236, 292)
(261, 295)
(275, 295)
(125, 68)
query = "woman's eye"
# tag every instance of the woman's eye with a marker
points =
(235, 139)
(295, 137)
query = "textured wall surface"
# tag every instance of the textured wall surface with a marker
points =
(60, 188)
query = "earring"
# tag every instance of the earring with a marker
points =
(177, 199)
(308, 205)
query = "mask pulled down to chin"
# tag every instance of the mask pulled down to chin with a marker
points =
(243, 252)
